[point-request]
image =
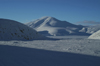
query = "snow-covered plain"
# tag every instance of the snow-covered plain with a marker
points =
(67, 51)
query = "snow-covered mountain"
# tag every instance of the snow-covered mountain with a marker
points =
(13, 30)
(52, 26)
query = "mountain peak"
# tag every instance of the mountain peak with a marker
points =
(47, 17)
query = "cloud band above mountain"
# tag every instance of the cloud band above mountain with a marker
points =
(88, 22)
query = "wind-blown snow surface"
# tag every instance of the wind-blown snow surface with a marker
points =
(68, 51)
(52, 26)
(13, 30)
(95, 35)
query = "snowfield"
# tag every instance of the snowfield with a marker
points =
(66, 51)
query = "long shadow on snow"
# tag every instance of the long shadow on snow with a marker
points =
(45, 38)
(21, 56)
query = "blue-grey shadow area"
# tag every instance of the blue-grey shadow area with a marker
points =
(44, 38)
(21, 56)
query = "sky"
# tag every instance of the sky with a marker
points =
(74, 11)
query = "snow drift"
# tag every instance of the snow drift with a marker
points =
(13, 30)
(95, 35)
(52, 26)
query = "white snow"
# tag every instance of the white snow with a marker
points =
(68, 51)
(95, 35)
(13, 30)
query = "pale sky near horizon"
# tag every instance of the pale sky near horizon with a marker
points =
(80, 11)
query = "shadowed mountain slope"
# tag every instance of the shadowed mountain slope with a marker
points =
(13, 30)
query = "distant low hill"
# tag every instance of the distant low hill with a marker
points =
(90, 29)
(54, 27)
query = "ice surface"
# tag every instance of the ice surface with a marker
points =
(67, 51)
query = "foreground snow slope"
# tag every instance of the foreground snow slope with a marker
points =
(52, 26)
(68, 51)
(95, 35)
(13, 30)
